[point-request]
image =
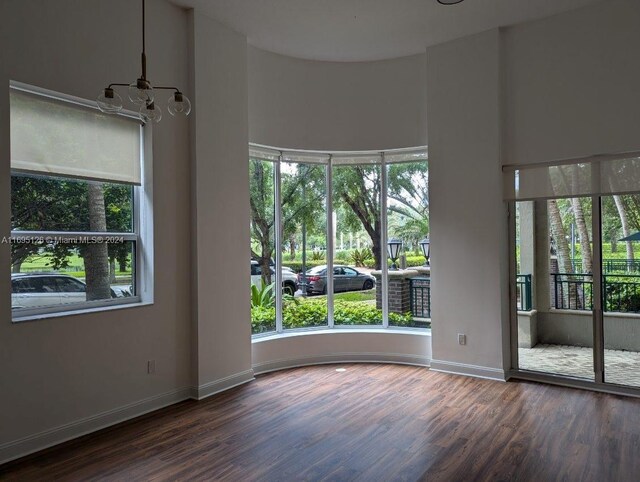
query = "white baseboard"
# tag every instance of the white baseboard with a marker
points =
(468, 370)
(397, 358)
(39, 441)
(217, 386)
(48, 438)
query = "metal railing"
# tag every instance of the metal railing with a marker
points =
(620, 293)
(611, 265)
(420, 296)
(572, 291)
(523, 292)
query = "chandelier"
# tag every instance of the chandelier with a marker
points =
(142, 93)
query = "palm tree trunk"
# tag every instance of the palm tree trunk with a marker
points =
(564, 257)
(583, 232)
(622, 212)
(96, 259)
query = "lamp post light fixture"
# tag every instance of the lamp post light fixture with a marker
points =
(142, 93)
(424, 246)
(393, 249)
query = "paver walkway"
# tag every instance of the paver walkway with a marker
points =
(621, 367)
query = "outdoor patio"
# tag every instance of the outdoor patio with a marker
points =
(621, 366)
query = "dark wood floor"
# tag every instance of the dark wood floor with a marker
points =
(370, 423)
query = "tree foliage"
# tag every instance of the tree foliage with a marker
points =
(52, 204)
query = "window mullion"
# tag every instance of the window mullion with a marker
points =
(278, 242)
(330, 243)
(383, 243)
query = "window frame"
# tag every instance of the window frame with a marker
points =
(141, 234)
(332, 159)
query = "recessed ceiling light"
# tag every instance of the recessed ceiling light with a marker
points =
(449, 2)
(341, 369)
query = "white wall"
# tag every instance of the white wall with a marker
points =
(468, 237)
(220, 171)
(307, 104)
(62, 371)
(573, 84)
(562, 87)
(340, 345)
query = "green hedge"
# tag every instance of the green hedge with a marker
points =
(412, 261)
(297, 265)
(310, 313)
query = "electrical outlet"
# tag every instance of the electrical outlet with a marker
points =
(151, 367)
(462, 339)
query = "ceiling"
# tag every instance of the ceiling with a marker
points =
(360, 30)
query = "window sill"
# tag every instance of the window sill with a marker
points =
(80, 311)
(332, 331)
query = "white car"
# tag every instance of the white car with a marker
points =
(38, 290)
(289, 278)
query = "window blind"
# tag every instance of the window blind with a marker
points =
(58, 138)
(599, 175)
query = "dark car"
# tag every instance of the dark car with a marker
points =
(345, 278)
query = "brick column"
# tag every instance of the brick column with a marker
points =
(399, 290)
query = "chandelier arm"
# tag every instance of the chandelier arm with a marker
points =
(117, 85)
(168, 88)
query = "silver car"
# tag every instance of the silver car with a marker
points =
(289, 278)
(38, 290)
(345, 278)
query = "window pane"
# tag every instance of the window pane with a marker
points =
(409, 291)
(621, 288)
(357, 235)
(261, 185)
(41, 203)
(554, 286)
(304, 244)
(49, 275)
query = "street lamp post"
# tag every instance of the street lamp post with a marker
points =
(424, 246)
(393, 249)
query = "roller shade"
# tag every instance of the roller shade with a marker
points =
(600, 175)
(418, 154)
(414, 154)
(263, 153)
(58, 138)
(305, 157)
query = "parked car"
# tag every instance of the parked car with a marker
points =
(345, 278)
(289, 278)
(37, 290)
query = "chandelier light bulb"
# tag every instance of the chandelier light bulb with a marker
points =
(179, 105)
(151, 113)
(141, 92)
(109, 101)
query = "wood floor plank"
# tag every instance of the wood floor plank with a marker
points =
(372, 422)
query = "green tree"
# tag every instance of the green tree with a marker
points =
(358, 188)
(50, 204)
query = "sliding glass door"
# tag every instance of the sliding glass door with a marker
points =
(575, 279)
(554, 286)
(621, 288)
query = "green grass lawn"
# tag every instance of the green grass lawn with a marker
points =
(75, 268)
(369, 295)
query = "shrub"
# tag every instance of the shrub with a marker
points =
(262, 319)
(317, 256)
(310, 313)
(360, 257)
(262, 297)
